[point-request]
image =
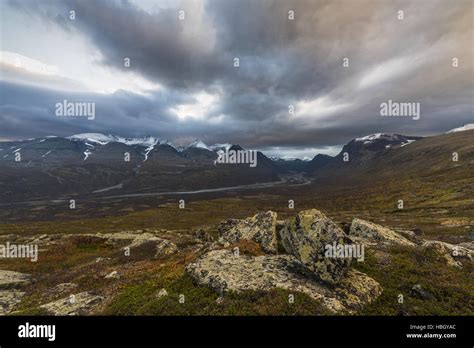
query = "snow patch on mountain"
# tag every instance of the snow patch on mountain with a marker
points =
(46, 154)
(466, 127)
(408, 142)
(93, 138)
(98, 138)
(148, 150)
(370, 138)
(200, 145)
(217, 147)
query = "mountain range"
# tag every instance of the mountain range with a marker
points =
(52, 167)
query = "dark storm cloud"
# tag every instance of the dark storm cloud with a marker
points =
(282, 63)
(122, 112)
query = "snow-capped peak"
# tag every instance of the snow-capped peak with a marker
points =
(144, 141)
(200, 145)
(466, 127)
(286, 158)
(217, 147)
(98, 138)
(370, 137)
(102, 139)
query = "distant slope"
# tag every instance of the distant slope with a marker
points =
(430, 156)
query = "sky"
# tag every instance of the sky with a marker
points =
(290, 95)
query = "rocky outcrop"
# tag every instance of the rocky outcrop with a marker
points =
(373, 233)
(9, 299)
(223, 271)
(453, 254)
(62, 289)
(259, 228)
(11, 279)
(82, 303)
(410, 235)
(307, 236)
(202, 236)
(10, 295)
(113, 275)
(164, 247)
(136, 239)
(418, 292)
(467, 245)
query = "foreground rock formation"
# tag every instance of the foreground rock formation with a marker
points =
(370, 232)
(79, 304)
(453, 254)
(306, 268)
(307, 237)
(223, 272)
(10, 289)
(259, 228)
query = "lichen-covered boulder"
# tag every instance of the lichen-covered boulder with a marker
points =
(260, 228)
(371, 232)
(223, 271)
(307, 237)
(12, 279)
(9, 299)
(453, 254)
(83, 303)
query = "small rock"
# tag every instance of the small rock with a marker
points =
(113, 275)
(418, 292)
(165, 247)
(220, 300)
(101, 259)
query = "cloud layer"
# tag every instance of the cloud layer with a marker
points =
(182, 83)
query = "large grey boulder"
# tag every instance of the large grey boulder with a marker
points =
(307, 237)
(260, 228)
(373, 233)
(223, 271)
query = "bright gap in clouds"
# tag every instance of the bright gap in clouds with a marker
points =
(34, 66)
(204, 102)
(300, 152)
(319, 107)
(391, 69)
